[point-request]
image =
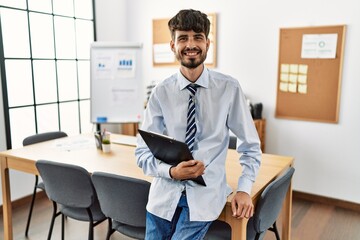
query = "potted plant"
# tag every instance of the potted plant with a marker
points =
(106, 145)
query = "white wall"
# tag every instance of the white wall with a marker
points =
(326, 156)
(112, 26)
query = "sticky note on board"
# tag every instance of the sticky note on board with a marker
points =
(292, 87)
(283, 87)
(284, 77)
(302, 88)
(303, 69)
(293, 78)
(294, 68)
(285, 68)
(302, 79)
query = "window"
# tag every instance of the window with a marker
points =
(45, 66)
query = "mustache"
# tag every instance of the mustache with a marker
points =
(192, 49)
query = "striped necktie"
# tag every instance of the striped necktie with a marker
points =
(191, 125)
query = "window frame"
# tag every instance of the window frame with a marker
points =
(79, 100)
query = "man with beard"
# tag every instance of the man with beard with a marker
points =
(198, 106)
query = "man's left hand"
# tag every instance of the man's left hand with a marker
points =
(242, 205)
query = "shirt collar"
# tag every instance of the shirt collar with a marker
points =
(202, 81)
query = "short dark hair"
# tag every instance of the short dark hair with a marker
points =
(189, 19)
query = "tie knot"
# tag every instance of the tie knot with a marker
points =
(192, 88)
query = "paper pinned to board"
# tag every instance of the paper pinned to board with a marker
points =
(319, 46)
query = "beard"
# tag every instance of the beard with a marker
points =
(192, 62)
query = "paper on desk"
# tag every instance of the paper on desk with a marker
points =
(125, 140)
(74, 144)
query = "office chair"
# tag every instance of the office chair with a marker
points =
(268, 207)
(70, 187)
(218, 230)
(232, 142)
(266, 212)
(123, 201)
(37, 138)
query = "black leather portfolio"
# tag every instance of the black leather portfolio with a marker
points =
(168, 150)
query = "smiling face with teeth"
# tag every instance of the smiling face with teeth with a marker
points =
(189, 31)
(190, 48)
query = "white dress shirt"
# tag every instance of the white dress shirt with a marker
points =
(220, 107)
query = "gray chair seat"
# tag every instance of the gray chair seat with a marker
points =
(251, 233)
(218, 230)
(41, 186)
(81, 214)
(130, 231)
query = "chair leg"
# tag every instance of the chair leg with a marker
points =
(91, 224)
(31, 205)
(54, 215)
(110, 229)
(276, 231)
(62, 226)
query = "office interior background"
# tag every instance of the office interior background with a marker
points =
(327, 156)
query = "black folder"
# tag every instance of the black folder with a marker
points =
(168, 150)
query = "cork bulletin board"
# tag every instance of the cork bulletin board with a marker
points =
(309, 73)
(162, 54)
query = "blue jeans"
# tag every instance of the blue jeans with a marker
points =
(179, 228)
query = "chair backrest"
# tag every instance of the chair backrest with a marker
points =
(67, 184)
(41, 137)
(270, 202)
(232, 142)
(122, 198)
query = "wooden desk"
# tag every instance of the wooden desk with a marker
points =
(122, 161)
(260, 125)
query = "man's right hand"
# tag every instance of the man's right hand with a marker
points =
(187, 170)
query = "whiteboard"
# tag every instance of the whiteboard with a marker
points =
(116, 83)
